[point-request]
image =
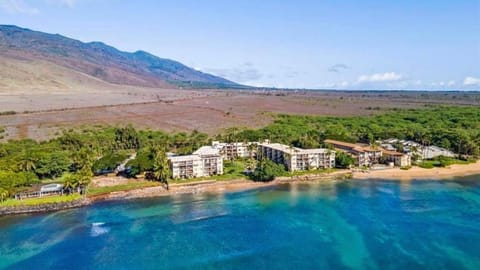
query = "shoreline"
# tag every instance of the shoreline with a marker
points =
(417, 173)
(237, 185)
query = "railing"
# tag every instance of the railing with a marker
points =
(37, 194)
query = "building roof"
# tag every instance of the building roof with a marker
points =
(353, 146)
(184, 158)
(291, 149)
(279, 147)
(207, 151)
(51, 187)
(391, 153)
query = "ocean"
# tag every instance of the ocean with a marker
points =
(351, 224)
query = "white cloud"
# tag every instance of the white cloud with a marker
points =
(68, 3)
(17, 7)
(344, 84)
(471, 81)
(381, 77)
(451, 83)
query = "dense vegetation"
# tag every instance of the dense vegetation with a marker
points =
(343, 160)
(109, 162)
(266, 170)
(74, 157)
(454, 128)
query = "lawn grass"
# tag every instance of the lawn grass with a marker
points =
(442, 162)
(308, 172)
(125, 187)
(40, 201)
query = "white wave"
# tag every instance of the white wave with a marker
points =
(98, 229)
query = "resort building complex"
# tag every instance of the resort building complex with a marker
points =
(297, 159)
(208, 160)
(364, 155)
(414, 148)
(368, 156)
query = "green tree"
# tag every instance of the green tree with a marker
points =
(127, 138)
(267, 170)
(3, 194)
(28, 162)
(84, 177)
(343, 160)
(84, 171)
(51, 165)
(70, 183)
(161, 168)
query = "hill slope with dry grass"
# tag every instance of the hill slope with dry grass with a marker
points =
(32, 60)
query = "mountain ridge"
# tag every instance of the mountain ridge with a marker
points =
(105, 62)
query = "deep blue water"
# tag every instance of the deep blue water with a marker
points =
(337, 225)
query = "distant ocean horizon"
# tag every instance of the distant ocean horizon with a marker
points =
(352, 224)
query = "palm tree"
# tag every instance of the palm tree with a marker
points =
(70, 183)
(28, 162)
(161, 168)
(84, 178)
(84, 162)
(3, 194)
(252, 148)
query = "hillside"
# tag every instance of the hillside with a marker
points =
(31, 58)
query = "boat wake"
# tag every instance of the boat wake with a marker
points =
(98, 228)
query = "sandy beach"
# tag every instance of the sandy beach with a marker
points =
(420, 173)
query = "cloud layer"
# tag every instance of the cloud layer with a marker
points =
(338, 68)
(380, 77)
(471, 81)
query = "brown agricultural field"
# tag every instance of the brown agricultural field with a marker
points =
(43, 114)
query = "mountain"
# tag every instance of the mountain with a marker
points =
(22, 48)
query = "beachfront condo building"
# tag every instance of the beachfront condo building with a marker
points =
(367, 156)
(398, 159)
(212, 161)
(231, 151)
(297, 159)
(187, 166)
(206, 161)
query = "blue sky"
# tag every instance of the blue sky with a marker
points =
(342, 44)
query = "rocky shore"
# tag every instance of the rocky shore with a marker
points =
(49, 207)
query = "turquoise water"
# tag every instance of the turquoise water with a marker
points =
(338, 225)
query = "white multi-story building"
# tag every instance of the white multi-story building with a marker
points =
(206, 161)
(297, 159)
(187, 166)
(212, 161)
(235, 150)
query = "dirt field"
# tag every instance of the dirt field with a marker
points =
(42, 115)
